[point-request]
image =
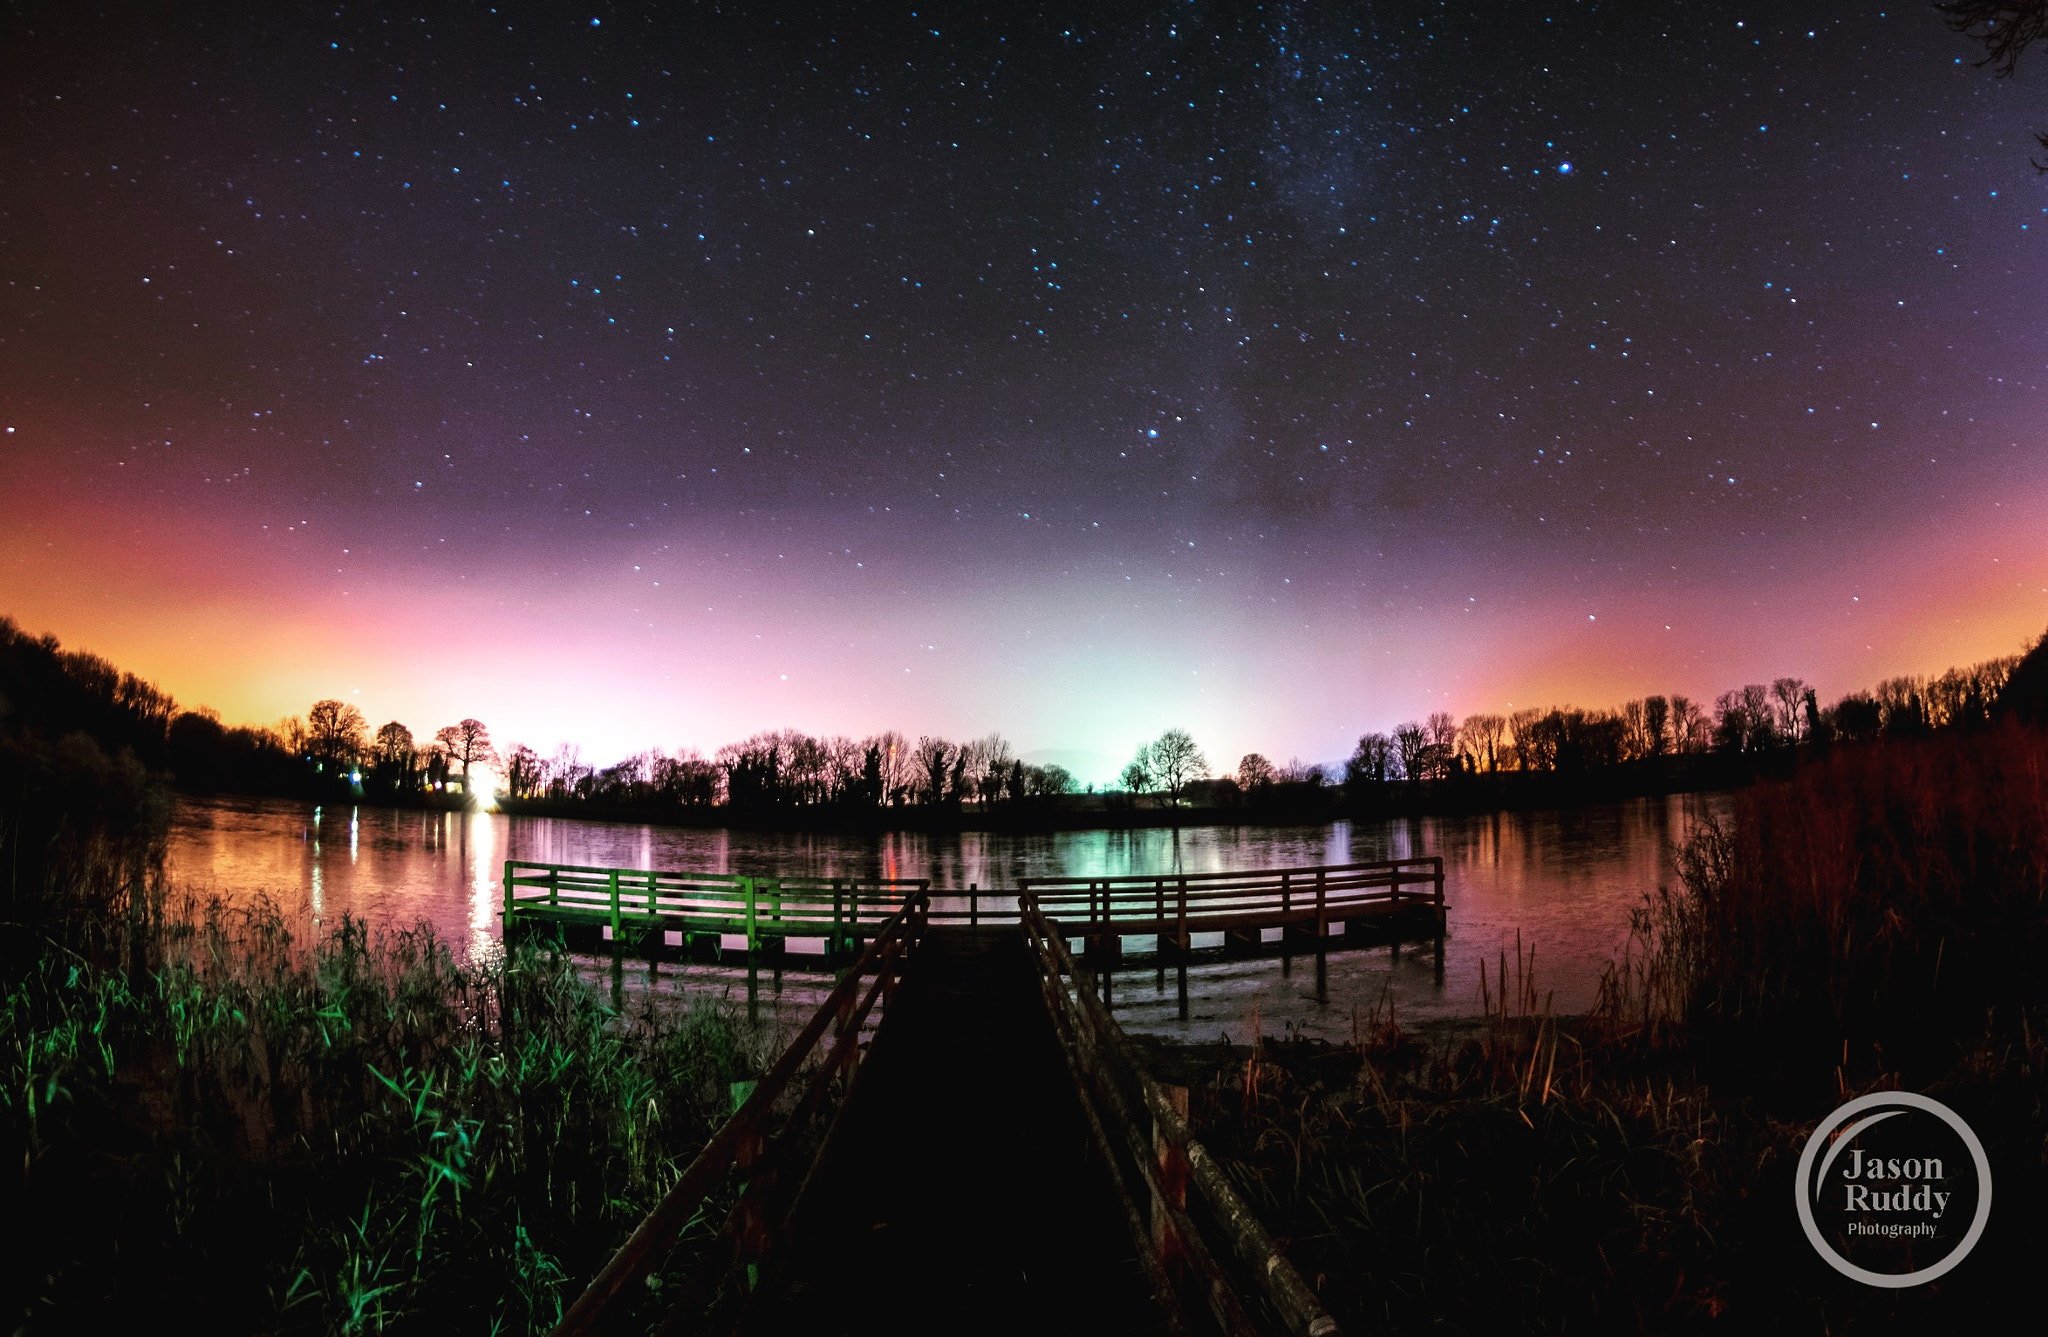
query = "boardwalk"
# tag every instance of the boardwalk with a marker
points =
(990, 1158)
(968, 1153)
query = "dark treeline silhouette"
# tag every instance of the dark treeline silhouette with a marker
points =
(1533, 757)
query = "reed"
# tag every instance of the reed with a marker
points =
(1868, 923)
(355, 1132)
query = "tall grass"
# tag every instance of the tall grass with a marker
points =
(1886, 909)
(349, 1134)
(1873, 922)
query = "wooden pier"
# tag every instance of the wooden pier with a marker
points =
(1313, 908)
(990, 1149)
(991, 1158)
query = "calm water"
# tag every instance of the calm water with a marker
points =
(1563, 881)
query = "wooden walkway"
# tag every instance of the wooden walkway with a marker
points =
(991, 1159)
(965, 1168)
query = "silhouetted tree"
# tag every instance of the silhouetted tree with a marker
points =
(1480, 737)
(1137, 776)
(1048, 780)
(334, 734)
(934, 758)
(1254, 772)
(395, 758)
(525, 772)
(1371, 760)
(466, 744)
(1174, 761)
(1656, 717)
(1410, 744)
(2006, 28)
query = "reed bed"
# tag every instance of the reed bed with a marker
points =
(221, 1122)
(1868, 924)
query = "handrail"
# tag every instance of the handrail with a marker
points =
(1085, 1024)
(1033, 884)
(740, 1135)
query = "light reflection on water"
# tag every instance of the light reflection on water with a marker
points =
(1564, 881)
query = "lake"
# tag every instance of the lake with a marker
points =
(1561, 882)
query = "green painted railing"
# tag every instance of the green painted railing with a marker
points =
(841, 910)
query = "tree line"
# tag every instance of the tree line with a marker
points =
(333, 750)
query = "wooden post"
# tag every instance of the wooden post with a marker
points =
(508, 895)
(973, 904)
(1181, 927)
(1439, 861)
(747, 1150)
(653, 901)
(1172, 1160)
(1322, 939)
(554, 887)
(615, 910)
(753, 934)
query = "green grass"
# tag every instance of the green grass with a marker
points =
(354, 1133)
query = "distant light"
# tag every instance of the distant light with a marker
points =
(1565, 168)
(355, 777)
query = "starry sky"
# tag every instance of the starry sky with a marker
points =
(650, 377)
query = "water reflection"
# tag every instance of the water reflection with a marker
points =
(1563, 882)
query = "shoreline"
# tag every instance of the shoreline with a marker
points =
(1516, 791)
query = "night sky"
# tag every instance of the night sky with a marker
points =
(1280, 372)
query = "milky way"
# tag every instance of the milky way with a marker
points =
(1279, 371)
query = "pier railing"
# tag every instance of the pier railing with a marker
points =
(1200, 1245)
(774, 1155)
(843, 911)
(1176, 905)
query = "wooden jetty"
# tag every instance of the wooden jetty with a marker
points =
(991, 1158)
(990, 1149)
(1307, 908)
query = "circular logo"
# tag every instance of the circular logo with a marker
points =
(1894, 1189)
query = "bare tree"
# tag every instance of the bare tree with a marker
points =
(1442, 730)
(1254, 772)
(1371, 760)
(525, 772)
(395, 748)
(1175, 761)
(2006, 28)
(1137, 776)
(1523, 737)
(1411, 742)
(933, 757)
(1481, 737)
(1048, 780)
(898, 767)
(1656, 717)
(467, 743)
(1788, 697)
(1690, 731)
(334, 732)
